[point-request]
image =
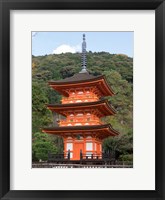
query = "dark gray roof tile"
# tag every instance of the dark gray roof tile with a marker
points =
(77, 78)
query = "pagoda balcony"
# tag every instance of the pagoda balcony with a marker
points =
(78, 100)
(79, 123)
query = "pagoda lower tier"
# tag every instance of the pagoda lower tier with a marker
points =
(85, 139)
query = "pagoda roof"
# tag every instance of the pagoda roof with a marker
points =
(79, 77)
(82, 79)
(103, 106)
(101, 131)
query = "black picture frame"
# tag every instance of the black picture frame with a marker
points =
(5, 7)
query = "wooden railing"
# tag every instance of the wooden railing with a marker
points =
(59, 157)
(92, 156)
(103, 156)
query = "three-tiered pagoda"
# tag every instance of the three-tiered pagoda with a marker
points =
(82, 105)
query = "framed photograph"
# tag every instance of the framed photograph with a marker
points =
(85, 52)
(86, 126)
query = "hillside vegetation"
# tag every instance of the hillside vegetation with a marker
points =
(118, 69)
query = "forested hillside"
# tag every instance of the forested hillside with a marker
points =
(118, 69)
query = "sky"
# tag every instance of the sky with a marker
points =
(44, 43)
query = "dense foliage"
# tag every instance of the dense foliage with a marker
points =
(118, 69)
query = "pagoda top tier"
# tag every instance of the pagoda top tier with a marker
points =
(82, 80)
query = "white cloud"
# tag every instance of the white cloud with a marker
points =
(64, 48)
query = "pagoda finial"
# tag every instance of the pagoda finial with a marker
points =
(83, 58)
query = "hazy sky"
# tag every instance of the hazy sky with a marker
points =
(61, 42)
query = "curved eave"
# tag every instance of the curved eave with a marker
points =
(66, 82)
(108, 86)
(101, 130)
(102, 105)
(100, 82)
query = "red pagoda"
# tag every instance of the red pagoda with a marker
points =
(82, 105)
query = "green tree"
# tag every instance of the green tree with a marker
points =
(41, 146)
(122, 145)
(41, 116)
(121, 101)
(122, 120)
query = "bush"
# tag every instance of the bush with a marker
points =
(127, 157)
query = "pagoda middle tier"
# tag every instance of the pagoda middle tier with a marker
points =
(85, 113)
